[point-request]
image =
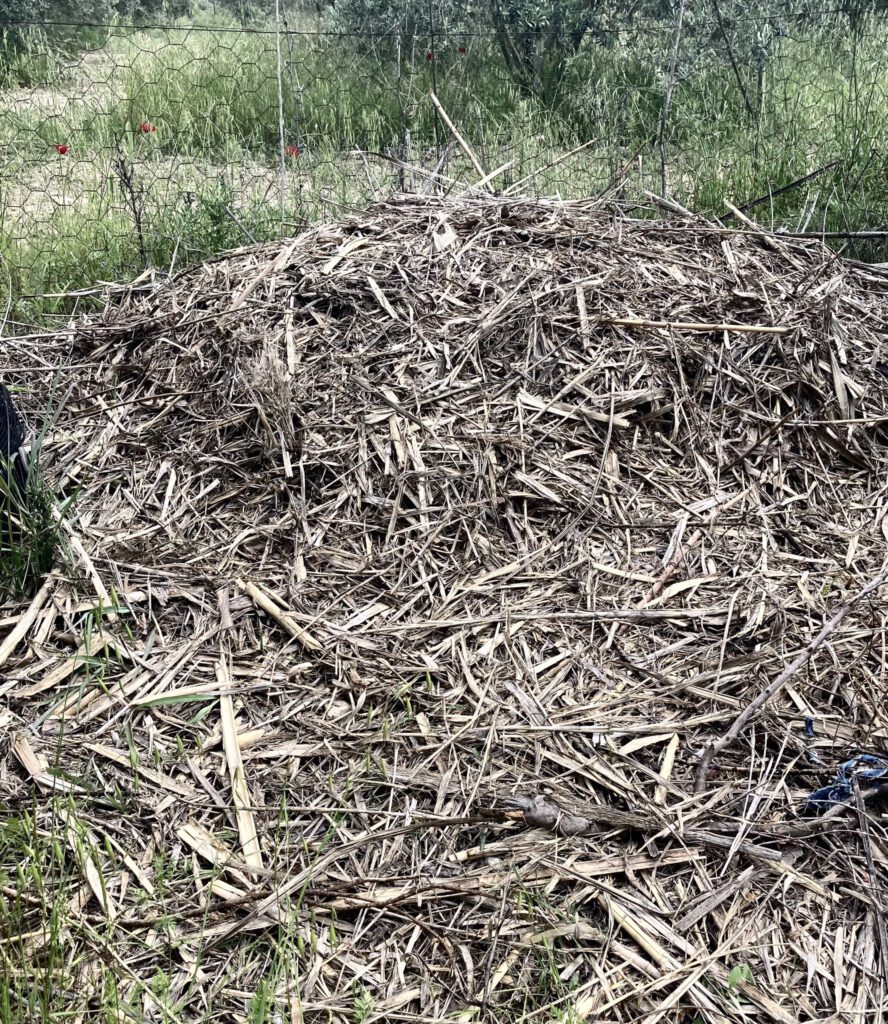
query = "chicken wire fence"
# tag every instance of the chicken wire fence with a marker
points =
(126, 147)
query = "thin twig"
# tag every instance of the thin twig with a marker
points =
(667, 99)
(749, 712)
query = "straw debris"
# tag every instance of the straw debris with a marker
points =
(432, 549)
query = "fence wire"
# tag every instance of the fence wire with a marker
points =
(126, 146)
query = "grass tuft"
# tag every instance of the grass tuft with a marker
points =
(29, 537)
(206, 176)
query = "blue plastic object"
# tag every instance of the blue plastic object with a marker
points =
(866, 768)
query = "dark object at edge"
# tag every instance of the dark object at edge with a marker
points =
(12, 438)
(866, 768)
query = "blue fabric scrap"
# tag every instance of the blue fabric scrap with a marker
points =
(866, 768)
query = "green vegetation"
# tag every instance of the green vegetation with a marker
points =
(741, 974)
(172, 144)
(125, 149)
(172, 148)
(32, 918)
(29, 536)
(28, 542)
(48, 849)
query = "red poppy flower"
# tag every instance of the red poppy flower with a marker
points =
(293, 151)
(430, 56)
(61, 147)
(462, 50)
(146, 127)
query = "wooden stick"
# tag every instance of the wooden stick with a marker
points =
(680, 325)
(24, 623)
(263, 601)
(494, 174)
(34, 764)
(786, 188)
(672, 205)
(745, 716)
(742, 217)
(240, 793)
(77, 545)
(875, 891)
(682, 549)
(215, 852)
(466, 148)
(512, 189)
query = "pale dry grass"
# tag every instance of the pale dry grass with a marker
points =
(433, 546)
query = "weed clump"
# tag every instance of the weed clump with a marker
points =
(28, 539)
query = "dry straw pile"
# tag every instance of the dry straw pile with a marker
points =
(436, 547)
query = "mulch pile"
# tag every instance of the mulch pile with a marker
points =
(434, 548)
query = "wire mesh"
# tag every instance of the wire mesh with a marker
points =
(126, 146)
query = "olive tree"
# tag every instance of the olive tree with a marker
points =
(406, 19)
(537, 38)
(87, 12)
